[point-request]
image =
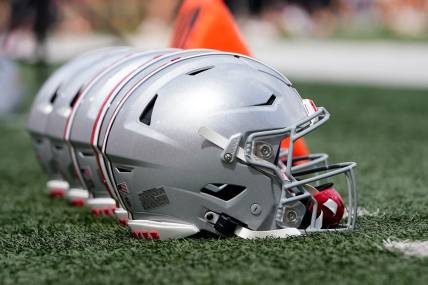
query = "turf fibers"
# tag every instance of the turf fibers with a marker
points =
(44, 241)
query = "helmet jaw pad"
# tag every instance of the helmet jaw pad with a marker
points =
(155, 230)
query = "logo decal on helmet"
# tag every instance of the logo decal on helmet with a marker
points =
(153, 198)
(122, 187)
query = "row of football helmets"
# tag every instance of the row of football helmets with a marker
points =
(179, 142)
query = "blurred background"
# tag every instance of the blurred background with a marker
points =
(375, 42)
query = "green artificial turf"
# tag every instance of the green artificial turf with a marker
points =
(44, 241)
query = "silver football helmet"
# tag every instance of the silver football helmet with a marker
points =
(68, 95)
(42, 107)
(87, 113)
(194, 147)
(98, 121)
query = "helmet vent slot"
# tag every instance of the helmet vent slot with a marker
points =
(269, 102)
(58, 147)
(86, 153)
(123, 169)
(146, 116)
(200, 70)
(75, 97)
(223, 191)
(54, 96)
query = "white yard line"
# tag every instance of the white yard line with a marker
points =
(407, 247)
(364, 212)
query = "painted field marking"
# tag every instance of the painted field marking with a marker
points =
(407, 247)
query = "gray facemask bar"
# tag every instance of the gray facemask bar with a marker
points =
(289, 183)
(310, 161)
(338, 168)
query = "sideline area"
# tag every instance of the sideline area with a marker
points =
(381, 63)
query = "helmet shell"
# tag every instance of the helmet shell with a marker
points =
(155, 149)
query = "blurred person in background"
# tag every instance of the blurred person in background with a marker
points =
(123, 20)
(405, 17)
(331, 18)
(28, 23)
(30, 18)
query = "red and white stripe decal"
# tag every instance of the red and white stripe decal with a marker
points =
(109, 98)
(73, 111)
(86, 89)
(310, 106)
(98, 123)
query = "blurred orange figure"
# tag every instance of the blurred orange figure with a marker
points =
(209, 24)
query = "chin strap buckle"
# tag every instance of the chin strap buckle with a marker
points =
(227, 225)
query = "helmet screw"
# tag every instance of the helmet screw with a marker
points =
(209, 216)
(292, 216)
(266, 150)
(227, 157)
(256, 209)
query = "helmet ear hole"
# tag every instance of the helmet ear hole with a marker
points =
(146, 116)
(223, 191)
